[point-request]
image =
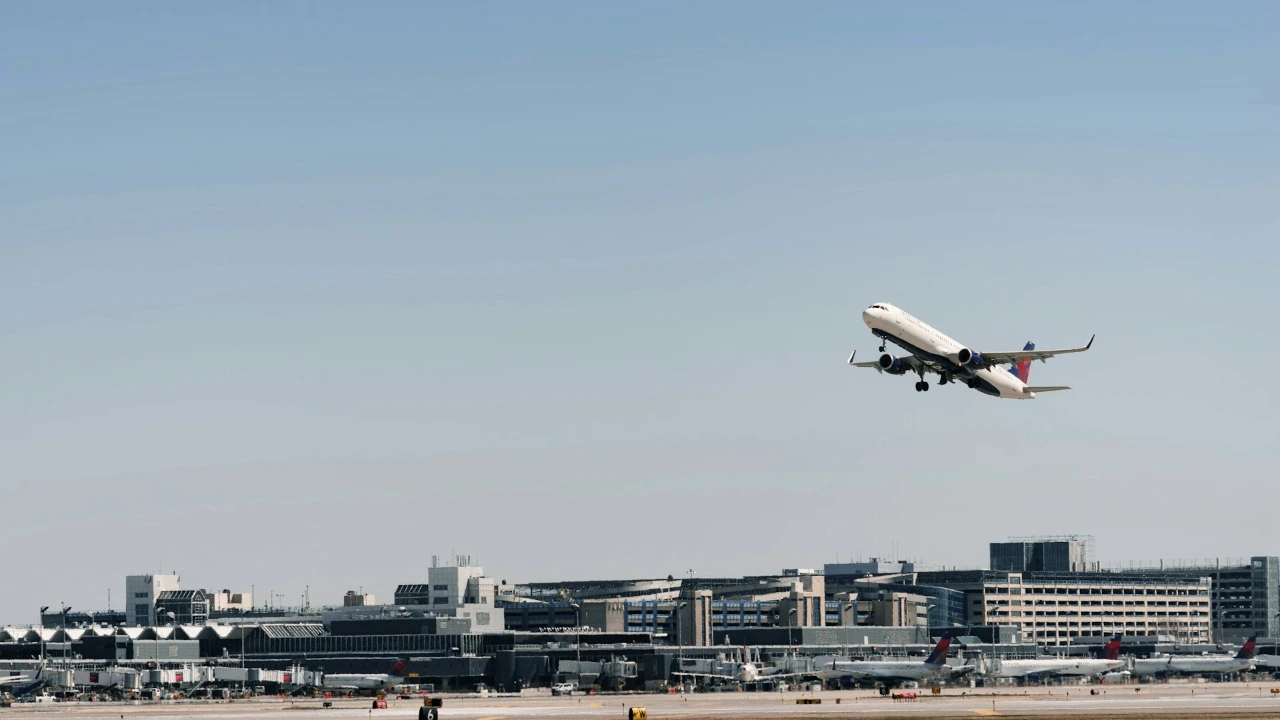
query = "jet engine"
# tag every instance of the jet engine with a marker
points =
(892, 365)
(969, 358)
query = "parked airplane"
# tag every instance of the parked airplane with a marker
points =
(361, 682)
(930, 351)
(1193, 664)
(1044, 667)
(893, 672)
(20, 685)
(744, 672)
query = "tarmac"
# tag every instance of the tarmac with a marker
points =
(1183, 702)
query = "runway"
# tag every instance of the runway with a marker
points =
(1128, 702)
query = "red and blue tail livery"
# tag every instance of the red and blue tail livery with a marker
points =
(1022, 369)
(1249, 648)
(939, 654)
(1112, 649)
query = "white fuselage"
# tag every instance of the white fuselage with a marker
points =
(901, 328)
(1054, 666)
(880, 669)
(1191, 664)
(351, 681)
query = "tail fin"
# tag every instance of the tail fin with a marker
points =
(1247, 650)
(939, 654)
(1112, 649)
(400, 667)
(1022, 370)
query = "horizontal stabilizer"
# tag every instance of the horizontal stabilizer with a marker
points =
(1045, 388)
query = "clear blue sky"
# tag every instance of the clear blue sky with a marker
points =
(303, 293)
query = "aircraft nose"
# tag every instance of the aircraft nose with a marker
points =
(867, 317)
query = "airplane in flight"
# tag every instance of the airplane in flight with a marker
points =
(930, 351)
(1243, 661)
(893, 672)
(365, 682)
(1079, 667)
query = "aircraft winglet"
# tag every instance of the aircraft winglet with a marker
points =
(855, 352)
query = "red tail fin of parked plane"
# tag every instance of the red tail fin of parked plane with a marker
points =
(398, 670)
(1112, 649)
(1247, 650)
(1022, 370)
(939, 654)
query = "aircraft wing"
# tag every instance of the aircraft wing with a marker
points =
(13, 679)
(910, 361)
(342, 686)
(872, 364)
(884, 677)
(704, 675)
(779, 676)
(1005, 358)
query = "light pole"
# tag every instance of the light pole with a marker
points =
(577, 638)
(65, 609)
(43, 609)
(928, 610)
(793, 616)
(679, 640)
(992, 629)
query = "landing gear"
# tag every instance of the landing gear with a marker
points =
(944, 378)
(973, 383)
(922, 386)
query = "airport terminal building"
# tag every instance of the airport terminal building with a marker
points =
(1054, 588)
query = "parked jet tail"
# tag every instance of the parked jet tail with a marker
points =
(1112, 649)
(35, 684)
(1022, 370)
(1248, 649)
(939, 654)
(399, 669)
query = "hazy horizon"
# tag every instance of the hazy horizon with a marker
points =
(305, 294)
